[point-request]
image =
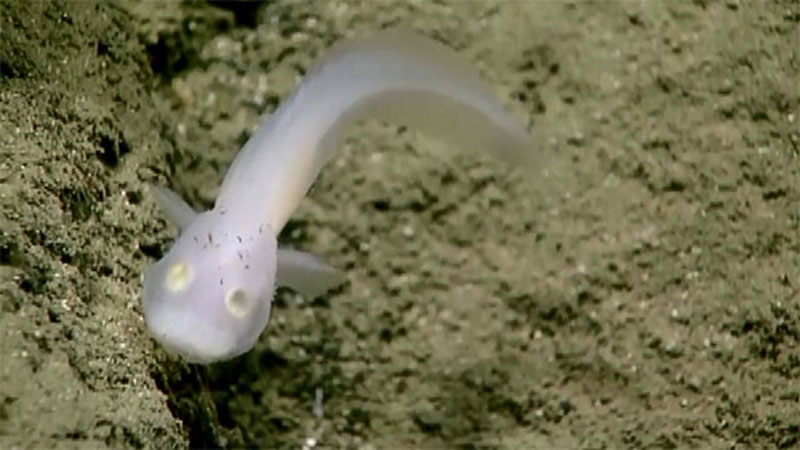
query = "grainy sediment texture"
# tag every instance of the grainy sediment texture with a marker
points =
(644, 295)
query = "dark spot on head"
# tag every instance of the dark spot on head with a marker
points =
(210, 239)
(239, 238)
(220, 282)
(240, 255)
(247, 267)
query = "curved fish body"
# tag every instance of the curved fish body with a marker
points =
(209, 297)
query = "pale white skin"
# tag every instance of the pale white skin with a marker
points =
(208, 298)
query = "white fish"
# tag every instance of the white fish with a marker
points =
(209, 297)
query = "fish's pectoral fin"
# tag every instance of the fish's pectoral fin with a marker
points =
(306, 274)
(175, 208)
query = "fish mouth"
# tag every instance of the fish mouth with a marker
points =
(181, 336)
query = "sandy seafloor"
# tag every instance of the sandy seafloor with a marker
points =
(644, 295)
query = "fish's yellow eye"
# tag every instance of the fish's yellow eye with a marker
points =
(238, 302)
(178, 277)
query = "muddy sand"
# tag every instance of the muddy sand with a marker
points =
(643, 295)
